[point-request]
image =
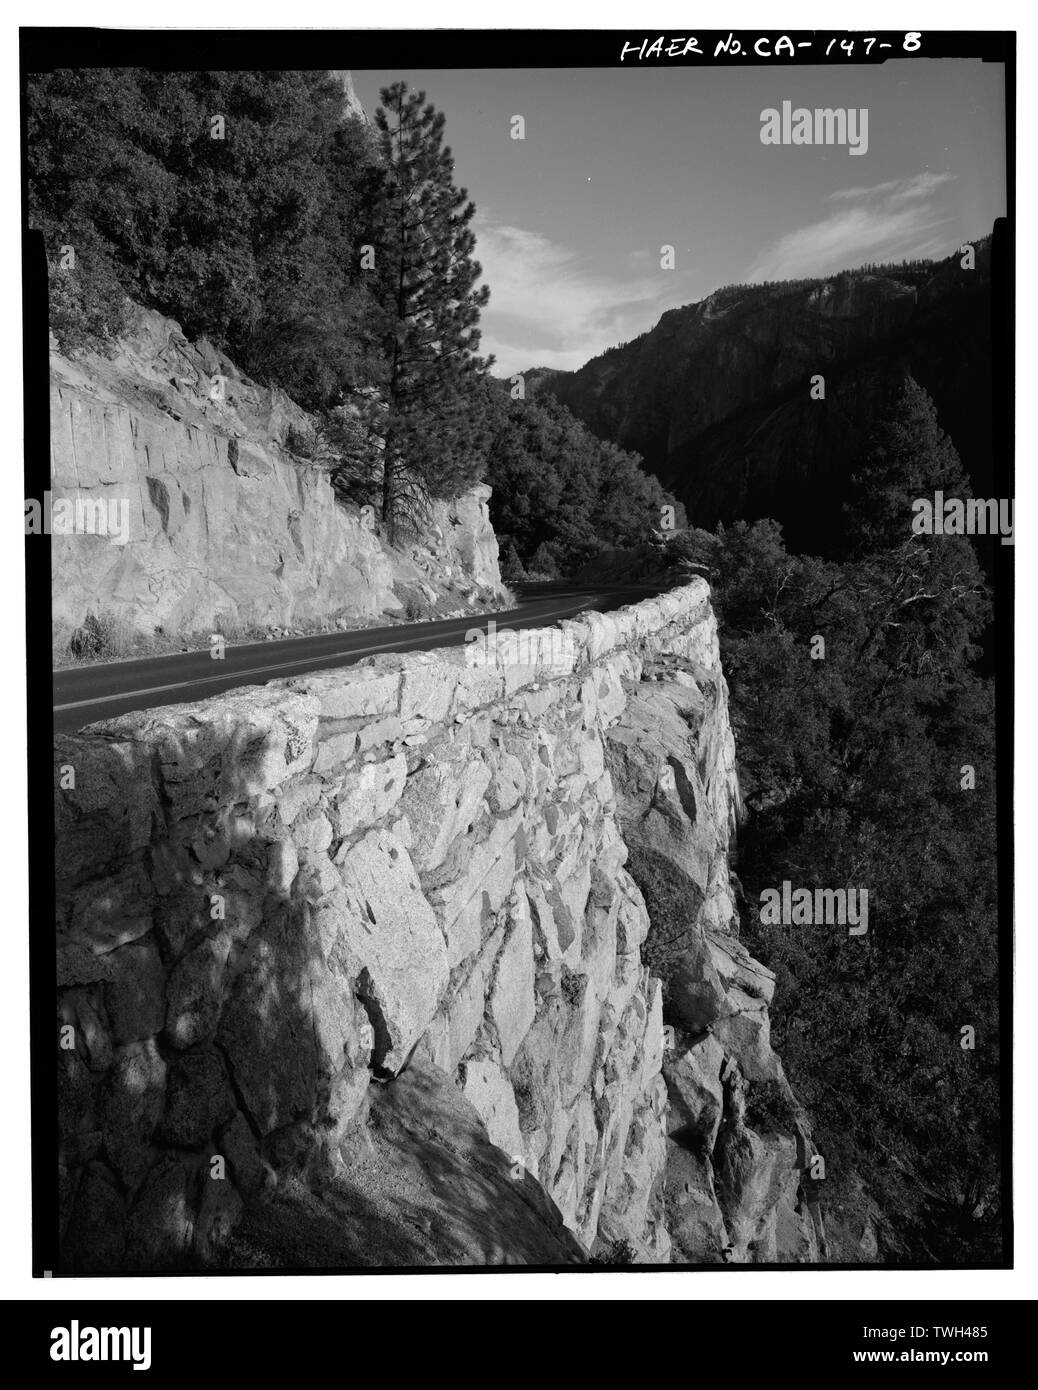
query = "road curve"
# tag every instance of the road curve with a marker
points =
(86, 694)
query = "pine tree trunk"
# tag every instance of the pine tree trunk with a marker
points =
(390, 464)
(389, 491)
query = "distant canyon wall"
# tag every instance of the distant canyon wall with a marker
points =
(718, 397)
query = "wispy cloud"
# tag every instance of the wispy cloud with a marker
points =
(895, 190)
(550, 308)
(889, 221)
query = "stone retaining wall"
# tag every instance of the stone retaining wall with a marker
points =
(272, 902)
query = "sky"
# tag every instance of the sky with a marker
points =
(617, 163)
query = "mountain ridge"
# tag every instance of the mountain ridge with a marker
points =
(716, 397)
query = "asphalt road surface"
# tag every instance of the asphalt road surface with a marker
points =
(85, 694)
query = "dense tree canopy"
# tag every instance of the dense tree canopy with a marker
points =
(856, 767)
(561, 495)
(226, 200)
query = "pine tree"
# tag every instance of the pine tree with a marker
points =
(425, 282)
(512, 567)
(908, 456)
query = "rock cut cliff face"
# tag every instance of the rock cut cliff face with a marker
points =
(228, 530)
(436, 955)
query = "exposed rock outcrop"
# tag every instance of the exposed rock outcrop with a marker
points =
(355, 958)
(227, 529)
(734, 1168)
(351, 103)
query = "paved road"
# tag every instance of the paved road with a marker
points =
(85, 694)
